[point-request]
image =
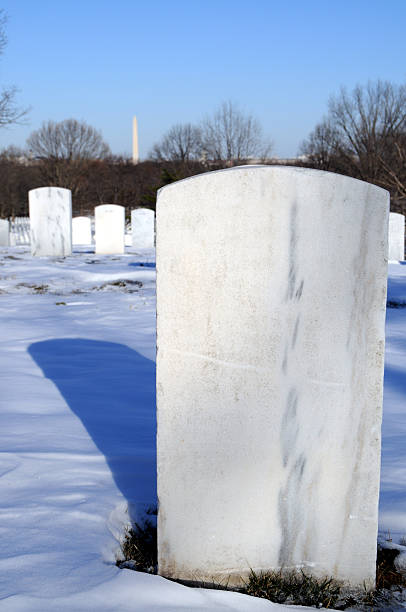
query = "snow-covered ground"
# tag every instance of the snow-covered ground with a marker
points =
(77, 433)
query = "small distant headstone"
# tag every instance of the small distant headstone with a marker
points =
(20, 231)
(81, 230)
(4, 232)
(271, 285)
(143, 228)
(50, 221)
(109, 229)
(396, 237)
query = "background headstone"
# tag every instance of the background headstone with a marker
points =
(271, 285)
(20, 231)
(396, 249)
(109, 229)
(4, 232)
(81, 230)
(143, 228)
(50, 221)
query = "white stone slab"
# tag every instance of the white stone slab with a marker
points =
(20, 233)
(109, 229)
(271, 285)
(4, 232)
(143, 227)
(81, 230)
(396, 237)
(50, 210)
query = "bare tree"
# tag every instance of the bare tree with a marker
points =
(10, 111)
(225, 137)
(321, 146)
(230, 135)
(393, 171)
(367, 120)
(68, 140)
(360, 130)
(183, 142)
(64, 152)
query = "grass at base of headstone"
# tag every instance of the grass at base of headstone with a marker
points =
(292, 587)
(139, 545)
(387, 575)
(302, 589)
(139, 552)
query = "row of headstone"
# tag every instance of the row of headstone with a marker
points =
(53, 230)
(17, 232)
(271, 328)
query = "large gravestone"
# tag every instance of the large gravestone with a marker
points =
(81, 230)
(143, 227)
(396, 237)
(271, 286)
(109, 229)
(4, 232)
(50, 221)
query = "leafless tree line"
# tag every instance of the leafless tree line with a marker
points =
(226, 136)
(364, 136)
(73, 155)
(114, 180)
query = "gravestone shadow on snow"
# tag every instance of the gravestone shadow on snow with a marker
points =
(111, 389)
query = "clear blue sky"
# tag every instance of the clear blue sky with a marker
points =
(171, 61)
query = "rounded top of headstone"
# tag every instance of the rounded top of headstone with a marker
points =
(397, 215)
(109, 207)
(290, 172)
(143, 211)
(49, 191)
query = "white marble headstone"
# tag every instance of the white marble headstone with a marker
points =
(271, 286)
(109, 229)
(4, 232)
(20, 233)
(396, 237)
(143, 228)
(50, 221)
(81, 230)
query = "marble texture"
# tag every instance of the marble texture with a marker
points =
(143, 228)
(396, 237)
(109, 229)
(4, 232)
(81, 230)
(50, 210)
(271, 291)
